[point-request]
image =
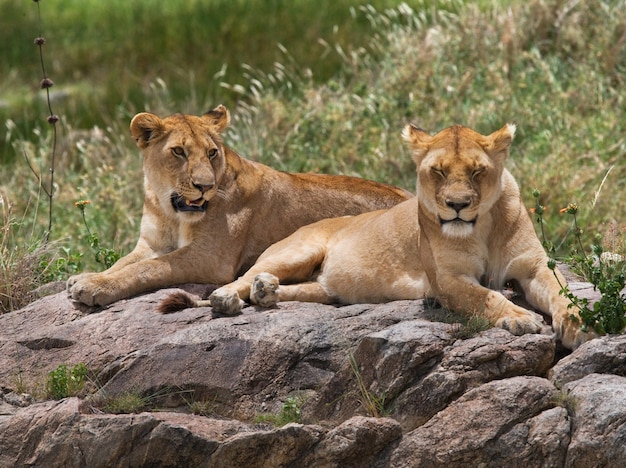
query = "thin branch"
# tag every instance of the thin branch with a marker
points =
(46, 83)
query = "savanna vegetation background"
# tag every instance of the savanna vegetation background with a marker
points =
(313, 85)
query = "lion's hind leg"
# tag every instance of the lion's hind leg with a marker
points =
(266, 291)
(226, 301)
(292, 260)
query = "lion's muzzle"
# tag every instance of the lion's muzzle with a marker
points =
(180, 203)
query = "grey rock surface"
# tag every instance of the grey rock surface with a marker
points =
(493, 399)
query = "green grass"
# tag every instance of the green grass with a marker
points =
(336, 105)
(106, 58)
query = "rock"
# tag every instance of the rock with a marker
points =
(492, 425)
(357, 442)
(598, 422)
(374, 385)
(383, 365)
(60, 434)
(258, 357)
(416, 368)
(606, 355)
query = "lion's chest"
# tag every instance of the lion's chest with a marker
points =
(185, 236)
(165, 237)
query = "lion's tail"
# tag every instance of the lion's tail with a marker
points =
(179, 300)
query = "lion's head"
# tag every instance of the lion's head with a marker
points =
(184, 159)
(459, 173)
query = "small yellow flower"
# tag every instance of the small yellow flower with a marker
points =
(81, 204)
(571, 208)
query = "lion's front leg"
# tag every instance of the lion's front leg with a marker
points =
(463, 295)
(503, 313)
(542, 291)
(177, 267)
(140, 252)
(99, 289)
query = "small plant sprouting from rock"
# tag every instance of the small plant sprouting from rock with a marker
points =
(291, 411)
(465, 325)
(104, 256)
(66, 381)
(202, 408)
(566, 400)
(470, 327)
(605, 270)
(373, 404)
(126, 403)
(134, 401)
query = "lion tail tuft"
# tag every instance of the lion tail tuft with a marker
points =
(176, 302)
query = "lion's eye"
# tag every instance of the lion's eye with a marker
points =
(477, 172)
(212, 153)
(439, 172)
(178, 151)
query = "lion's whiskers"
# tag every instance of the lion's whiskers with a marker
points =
(221, 193)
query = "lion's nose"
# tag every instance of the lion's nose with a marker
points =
(203, 187)
(458, 205)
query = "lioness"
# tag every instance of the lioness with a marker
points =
(465, 232)
(209, 213)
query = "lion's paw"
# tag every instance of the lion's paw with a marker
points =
(226, 302)
(264, 290)
(72, 280)
(569, 332)
(520, 321)
(93, 290)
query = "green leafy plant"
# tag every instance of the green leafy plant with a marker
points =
(605, 270)
(58, 267)
(291, 411)
(104, 256)
(65, 381)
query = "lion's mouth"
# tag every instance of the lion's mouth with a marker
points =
(458, 219)
(180, 203)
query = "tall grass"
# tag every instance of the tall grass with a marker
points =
(555, 68)
(108, 53)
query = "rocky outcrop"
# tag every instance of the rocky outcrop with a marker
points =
(439, 399)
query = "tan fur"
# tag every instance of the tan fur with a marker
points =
(463, 236)
(249, 206)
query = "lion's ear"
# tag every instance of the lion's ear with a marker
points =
(218, 117)
(498, 142)
(419, 140)
(145, 127)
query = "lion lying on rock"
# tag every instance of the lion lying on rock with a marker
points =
(464, 235)
(209, 213)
